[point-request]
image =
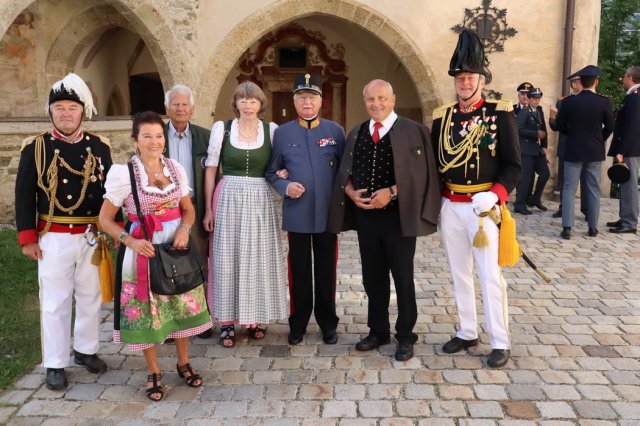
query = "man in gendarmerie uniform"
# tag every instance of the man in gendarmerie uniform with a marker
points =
(59, 190)
(309, 148)
(387, 189)
(476, 143)
(532, 130)
(587, 120)
(625, 148)
(523, 99)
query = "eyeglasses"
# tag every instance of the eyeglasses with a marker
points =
(307, 98)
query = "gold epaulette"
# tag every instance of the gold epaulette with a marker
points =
(29, 140)
(440, 111)
(502, 105)
(105, 140)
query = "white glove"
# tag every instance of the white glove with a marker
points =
(484, 201)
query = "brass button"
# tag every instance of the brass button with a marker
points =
(69, 197)
(71, 226)
(89, 211)
(65, 180)
(472, 166)
(468, 182)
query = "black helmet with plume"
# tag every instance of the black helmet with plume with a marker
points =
(469, 56)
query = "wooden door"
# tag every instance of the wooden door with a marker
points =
(283, 108)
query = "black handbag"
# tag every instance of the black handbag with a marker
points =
(171, 271)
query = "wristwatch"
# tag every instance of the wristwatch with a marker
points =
(123, 236)
(394, 195)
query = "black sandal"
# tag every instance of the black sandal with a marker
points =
(227, 336)
(156, 388)
(258, 332)
(191, 378)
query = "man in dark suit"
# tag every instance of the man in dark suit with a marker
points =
(479, 162)
(587, 120)
(187, 144)
(533, 150)
(523, 100)
(576, 87)
(309, 148)
(388, 173)
(625, 148)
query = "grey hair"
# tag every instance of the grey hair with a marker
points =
(376, 81)
(181, 89)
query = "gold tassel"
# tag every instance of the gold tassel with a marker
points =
(480, 240)
(105, 267)
(509, 250)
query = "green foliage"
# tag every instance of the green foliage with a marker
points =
(19, 311)
(619, 46)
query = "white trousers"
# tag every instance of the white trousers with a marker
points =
(66, 271)
(458, 227)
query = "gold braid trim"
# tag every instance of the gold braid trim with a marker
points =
(501, 105)
(463, 151)
(52, 178)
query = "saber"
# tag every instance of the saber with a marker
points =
(526, 258)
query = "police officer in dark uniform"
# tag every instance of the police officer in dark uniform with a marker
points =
(533, 149)
(625, 148)
(476, 144)
(587, 120)
(59, 189)
(523, 100)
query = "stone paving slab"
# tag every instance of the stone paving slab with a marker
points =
(576, 351)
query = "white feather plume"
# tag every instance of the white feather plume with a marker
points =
(76, 83)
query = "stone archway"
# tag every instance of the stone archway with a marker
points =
(146, 20)
(273, 16)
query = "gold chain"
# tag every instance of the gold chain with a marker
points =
(463, 151)
(52, 178)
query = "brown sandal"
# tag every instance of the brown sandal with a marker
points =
(192, 378)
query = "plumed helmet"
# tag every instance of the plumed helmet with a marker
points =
(469, 56)
(72, 88)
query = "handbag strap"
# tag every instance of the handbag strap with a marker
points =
(136, 200)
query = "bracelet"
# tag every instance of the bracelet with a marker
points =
(123, 236)
(187, 227)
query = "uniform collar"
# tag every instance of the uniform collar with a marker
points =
(309, 124)
(472, 107)
(75, 139)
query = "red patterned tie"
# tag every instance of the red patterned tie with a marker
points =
(376, 134)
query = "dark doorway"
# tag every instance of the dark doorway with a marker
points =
(283, 108)
(146, 93)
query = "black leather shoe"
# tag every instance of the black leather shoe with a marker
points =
(404, 351)
(593, 232)
(522, 210)
(56, 379)
(330, 337)
(92, 362)
(621, 230)
(294, 338)
(615, 224)
(457, 344)
(498, 358)
(566, 233)
(372, 342)
(557, 214)
(542, 207)
(206, 334)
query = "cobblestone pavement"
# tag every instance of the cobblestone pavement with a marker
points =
(576, 355)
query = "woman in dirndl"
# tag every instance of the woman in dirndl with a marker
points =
(141, 318)
(247, 284)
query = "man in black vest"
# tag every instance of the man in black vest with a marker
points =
(388, 173)
(587, 120)
(625, 148)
